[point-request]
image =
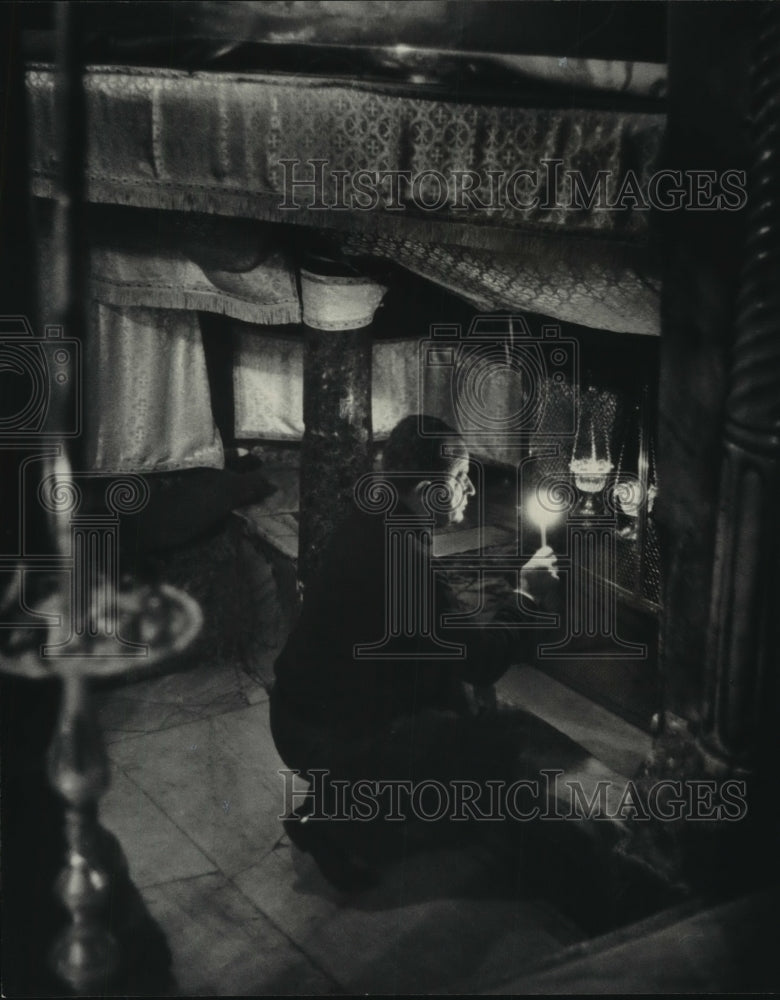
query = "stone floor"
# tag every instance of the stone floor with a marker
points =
(195, 802)
(196, 796)
(195, 799)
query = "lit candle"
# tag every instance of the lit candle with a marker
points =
(540, 515)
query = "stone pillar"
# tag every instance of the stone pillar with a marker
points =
(338, 310)
(703, 252)
(739, 703)
(720, 444)
(719, 457)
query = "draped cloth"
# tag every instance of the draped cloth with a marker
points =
(246, 145)
(149, 405)
(228, 145)
(268, 383)
(152, 408)
(147, 399)
(170, 280)
(233, 144)
(601, 285)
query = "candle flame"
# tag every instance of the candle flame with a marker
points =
(541, 516)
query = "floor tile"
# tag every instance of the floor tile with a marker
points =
(156, 850)
(438, 919)
(136, 716)
(222, 945)
(118, 735)
(217, 779)
(253, 688)
(172, 700)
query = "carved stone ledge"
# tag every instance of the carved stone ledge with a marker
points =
(713, 848)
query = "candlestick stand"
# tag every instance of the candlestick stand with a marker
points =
(86, 956)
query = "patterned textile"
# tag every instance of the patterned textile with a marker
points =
(148, 401)
(148, 404)
(217, 142)
(168, 279)
(339, 302)
(601, 285)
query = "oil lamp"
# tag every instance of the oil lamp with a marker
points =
(632, 492)
(629, 496)
(590, 472)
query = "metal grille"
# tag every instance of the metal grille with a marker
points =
(609, 423)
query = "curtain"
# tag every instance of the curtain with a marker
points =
(147, 399)
(606, 286)
(268, 383)
(146, 395)
(268, 391)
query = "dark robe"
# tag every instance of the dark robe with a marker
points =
(402, 716)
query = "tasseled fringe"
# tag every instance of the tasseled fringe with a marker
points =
(140, 467)
(197, 300)
(479, 234)
(246, 432)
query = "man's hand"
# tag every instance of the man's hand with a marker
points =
(539, 577)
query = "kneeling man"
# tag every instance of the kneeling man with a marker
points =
(343, 716)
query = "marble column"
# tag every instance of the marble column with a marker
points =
(338, 310)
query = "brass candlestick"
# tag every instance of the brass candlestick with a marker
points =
(92, 615)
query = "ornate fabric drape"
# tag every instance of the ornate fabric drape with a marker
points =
(170, 280)
(147, 399)
(232, 147)
(148, 408)
(233, 144)
(604, 285)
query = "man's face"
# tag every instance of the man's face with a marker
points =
(461, 487)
